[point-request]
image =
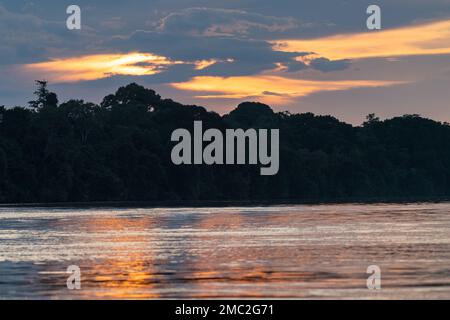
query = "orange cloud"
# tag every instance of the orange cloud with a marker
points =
(99, 66)
(92, 67)
(203, 64)
(269, 88)
(426, 39)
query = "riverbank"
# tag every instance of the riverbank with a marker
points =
(228, 203)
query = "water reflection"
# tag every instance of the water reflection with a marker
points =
(277, 252)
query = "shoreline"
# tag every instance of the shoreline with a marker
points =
(225, 203)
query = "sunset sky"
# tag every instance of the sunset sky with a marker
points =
(301, 56)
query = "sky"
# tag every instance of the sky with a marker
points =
(298, 56)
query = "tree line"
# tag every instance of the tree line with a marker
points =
(119, 150)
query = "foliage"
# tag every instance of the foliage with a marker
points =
(120, 150)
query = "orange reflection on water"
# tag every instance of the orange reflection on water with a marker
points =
(274, 252)
(129, 272)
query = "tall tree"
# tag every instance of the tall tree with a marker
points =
(44, 98)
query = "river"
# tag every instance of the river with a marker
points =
(301, 251)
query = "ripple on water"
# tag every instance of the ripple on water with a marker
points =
(304, 251)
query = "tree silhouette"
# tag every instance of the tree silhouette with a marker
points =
(44, 98)
(120, 150)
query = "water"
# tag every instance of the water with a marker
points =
(318, 251)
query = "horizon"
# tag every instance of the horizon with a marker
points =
(232, 108)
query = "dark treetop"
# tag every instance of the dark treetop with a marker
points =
(120, 151)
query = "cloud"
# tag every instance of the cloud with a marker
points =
(425, 39)
(27, 38)
(229, 42)
(100, 66)
(114, 23)
(234, 56)
(268, 88)
(221, 44)
(327, 65)
(224, 22)
(93, 67)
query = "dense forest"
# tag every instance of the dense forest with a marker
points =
(120, 151)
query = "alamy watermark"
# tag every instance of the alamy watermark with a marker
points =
(73, 22)
(374, 280)
(74, 280)
(235, 150)
(374, 20)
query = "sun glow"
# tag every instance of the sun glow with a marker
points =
(271, 89)
(426, 39)
(203, 64)
(92, 67)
